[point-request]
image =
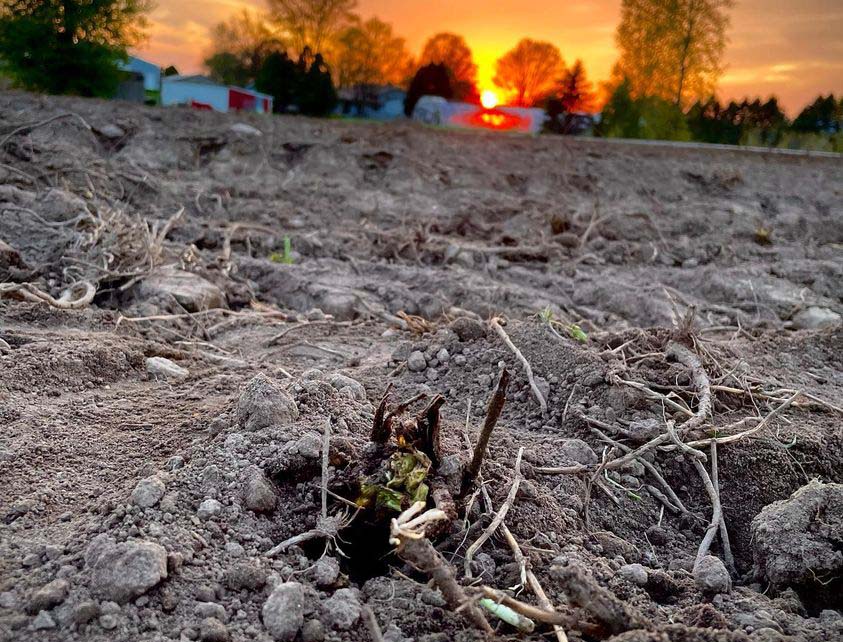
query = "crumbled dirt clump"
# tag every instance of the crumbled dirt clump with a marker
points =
(264, 287)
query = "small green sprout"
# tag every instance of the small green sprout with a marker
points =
(546, 315)
(577, 333)
(285, 257)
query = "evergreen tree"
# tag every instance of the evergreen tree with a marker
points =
(824, 115)
(278, 77)
(315, 92)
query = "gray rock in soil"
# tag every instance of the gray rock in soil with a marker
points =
(244, 575)
(245, 130)
(634, 573)
(48, 596)
(8, 600)
(283, 611)
(341, 382)
(312, 631)
(258, 492)
(212, 630)
(799, 541)
(264, 404)
(211, 610)
(84, 612)
(109, 621)
(468, 329)
(416, 361)
(148, 492)
(111, 131)
(342, 610)
(816, 318)
(576, 451)
(43, 621)
(166, 369)
(325, 572)
(711, 576)
(208, 509)
(191, 291)
(122, 572)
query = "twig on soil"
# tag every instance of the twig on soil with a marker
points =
(276, 338)
(77, 296)
(407, 532)
(493, 412)
(496, 325)
(499, 517)
(724, 533)
(326, 445)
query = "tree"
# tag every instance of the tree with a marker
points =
(672, 49)
(69, 46)
(170, 71)
(530, 71)
(278, 77)
(240, 47)
(430, 80)
(451, 50)
(368, 53)
(823, 116)
(314, 24)
(650, 117)
(315, 92)
(576, 91)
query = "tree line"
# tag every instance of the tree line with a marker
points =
(670, 56)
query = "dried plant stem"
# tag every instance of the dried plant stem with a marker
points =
(496, 325)
(493, 412)
(499, 517)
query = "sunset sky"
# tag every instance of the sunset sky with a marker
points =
(791, 48)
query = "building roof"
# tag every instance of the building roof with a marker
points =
(150, 71)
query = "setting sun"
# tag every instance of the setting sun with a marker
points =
(488, 99)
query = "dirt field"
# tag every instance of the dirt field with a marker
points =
(246, 287)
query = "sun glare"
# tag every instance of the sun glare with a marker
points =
(489, 99)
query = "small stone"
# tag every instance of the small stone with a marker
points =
(165, 368)
(43, 621)
(416, 361)
(84, 612)
(711, 576)
(263, 404)
(258, 493)
(816, 318)
(244, 575)
(234, 549)
(208, 509)
(577, 451)
(212, 630)
(148, 492)
(53, 551)
(111, 131)
(342, 382)
(657, 535)
(190, 291)
(48, 596)
(313, 631)
(108, 621)
(122, 572)
(342, 610)
(283, 611)
(8, 600)
(325, 572)
(211, 610)
(443, 356)
(468, 329)
(459, 360)
(634, 573)
(245, 130)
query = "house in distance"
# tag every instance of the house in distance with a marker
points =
(200, 92)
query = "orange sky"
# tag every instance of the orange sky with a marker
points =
(793, 48)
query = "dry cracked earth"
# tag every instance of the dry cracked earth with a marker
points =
(243, 291)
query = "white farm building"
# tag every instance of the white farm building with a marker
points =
(201, 92)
